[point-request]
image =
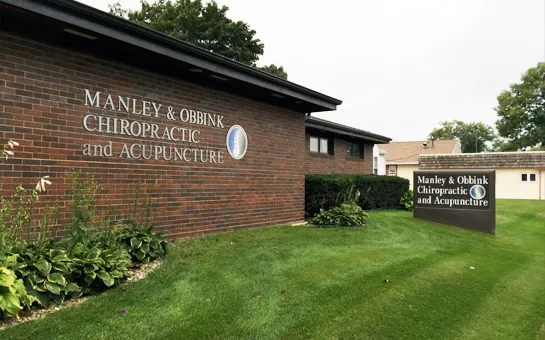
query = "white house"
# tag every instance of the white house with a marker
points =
(379, 160)
(402, 157)
(519, 175)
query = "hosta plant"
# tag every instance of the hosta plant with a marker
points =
(13, 295)
(142, 243)
(99, 267)
(407, 201)
(46, 271)
(347, 214)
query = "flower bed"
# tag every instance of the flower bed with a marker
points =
(95, 254)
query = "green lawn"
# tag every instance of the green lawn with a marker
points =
(329, 284)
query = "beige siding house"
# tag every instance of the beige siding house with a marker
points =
(402, 157)
(519, 175)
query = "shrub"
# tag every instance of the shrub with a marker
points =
(407, 201)
(346, 215)
(375, 192)
(99, 266)
(142, 243)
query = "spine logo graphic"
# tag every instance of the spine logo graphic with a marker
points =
(237, 142)
(477, 192)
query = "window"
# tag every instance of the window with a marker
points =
(319, 145)
(323, 145)
(314, 144)
(392, 170)
(528, 177)
(375, 165)
(353, 150)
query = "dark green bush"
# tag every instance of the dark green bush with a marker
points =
(375, 192)
(345, 215)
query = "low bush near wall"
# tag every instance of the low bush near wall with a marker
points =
(345, 215)
(369, 191)
(407, 201)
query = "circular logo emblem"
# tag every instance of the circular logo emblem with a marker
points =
(237, 142)
(477, 192)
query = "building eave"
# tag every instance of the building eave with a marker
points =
(93, 20)
(343, 130)
(400, 163)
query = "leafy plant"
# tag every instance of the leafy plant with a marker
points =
(49, 221)
(51, 272)
(347, 214)
(144, 208)
(83, 196)
(13, 295)
(45, 270)
(17, 210)
(99, 265)
(142, 243)
(407, 201)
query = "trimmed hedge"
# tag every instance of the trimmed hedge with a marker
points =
(376, 192)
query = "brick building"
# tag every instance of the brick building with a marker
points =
(339, 149)
(217, 144)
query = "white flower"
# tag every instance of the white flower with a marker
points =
(12, 143)
(40, 187)
(9, 152)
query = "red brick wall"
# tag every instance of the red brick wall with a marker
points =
(338, 163)
(41, 107)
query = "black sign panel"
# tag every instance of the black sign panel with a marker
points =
(466, 199)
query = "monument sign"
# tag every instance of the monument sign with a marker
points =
(465, 199)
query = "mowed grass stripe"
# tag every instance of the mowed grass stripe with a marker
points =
(430, 302)
(514, 308)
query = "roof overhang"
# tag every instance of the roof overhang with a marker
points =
(344, 131)
(48, 19)
(400, 163)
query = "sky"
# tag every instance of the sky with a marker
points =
(400, 67)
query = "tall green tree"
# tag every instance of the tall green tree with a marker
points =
(204, 25)
(474, 137)
(521, 110)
